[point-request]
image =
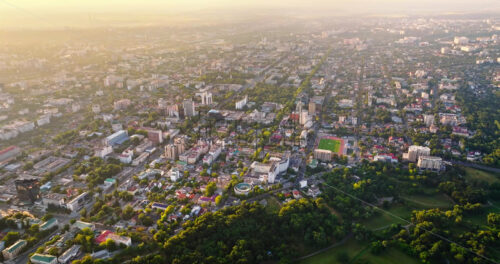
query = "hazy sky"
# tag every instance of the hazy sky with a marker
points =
(183, 5)
(24, 12)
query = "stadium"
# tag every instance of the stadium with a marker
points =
(242, 188)
(333, 144)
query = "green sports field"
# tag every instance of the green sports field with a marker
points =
(332, 145)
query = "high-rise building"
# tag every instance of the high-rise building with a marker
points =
(206, 98)
(312, 108)
(241, 103)
(173, 110)
(171, 152)
(28, 190)
(189, 109)
(180, 144)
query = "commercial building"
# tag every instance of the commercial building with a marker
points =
(416, 151)
(278, 163)
(117, 138)
(14, 249)
(28, 190)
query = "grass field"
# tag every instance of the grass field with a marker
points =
(481, 219)
(332, 145)
(384, 220)
(437, 200)
(479, 175)
(273, 205)
(359, 251)
(414, 202)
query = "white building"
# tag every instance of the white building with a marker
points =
(43, 120)
(460, 40)
(430, 163)
(126, 156)
(175, 174)
(77, 202)
(240, 104)
(414, 152)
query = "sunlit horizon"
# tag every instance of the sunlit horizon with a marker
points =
(94, 13)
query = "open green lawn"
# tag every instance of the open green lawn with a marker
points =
(414, 202)
(479, 175)
(437, 200)
(384, 220)
(329, 144)
(360, 251)
(273, 205)
(481, 219)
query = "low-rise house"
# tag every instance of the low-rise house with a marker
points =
(12, 251)
(43, 259)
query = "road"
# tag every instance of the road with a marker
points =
(23, 257)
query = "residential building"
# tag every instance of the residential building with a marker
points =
(323, 154)
(69, 254)
(189, 108)
(121, 104)
(49, 224)
(77, 203)
(9, 153)
(171, 152)
(241, 103)
(180, 143)
(175, 174)
(206, 98)
(43, 259)
(416, 151)
(12, 251)
(430, 163)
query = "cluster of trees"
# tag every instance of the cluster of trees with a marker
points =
(98, 170)
(430, 248)
(247, 233)
(481, 112)
(379, 180)
(65, 137)
(270, 93)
